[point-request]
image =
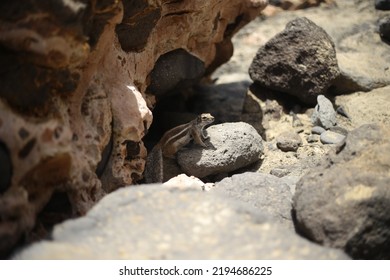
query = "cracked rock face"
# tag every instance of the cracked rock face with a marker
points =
(73, 107)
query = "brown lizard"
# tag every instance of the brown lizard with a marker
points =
(171, 142)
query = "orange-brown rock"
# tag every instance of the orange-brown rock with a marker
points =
(74, 104)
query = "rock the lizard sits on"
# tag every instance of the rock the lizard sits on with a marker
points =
(171, 142)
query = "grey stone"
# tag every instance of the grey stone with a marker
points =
(330, 137)
(317, 130)
(339, 130)
(345, 202)
(384, 29)
(362, 56)
(153, 222)
(288, 141)
(231, 146)
(270, 194)
(279, 172)
(301, 60)
(382, 4)
(312, 138)
(324, 114)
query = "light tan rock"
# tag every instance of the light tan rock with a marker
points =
(365, 107)
(79, 90)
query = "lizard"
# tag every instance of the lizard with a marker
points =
(171, 142)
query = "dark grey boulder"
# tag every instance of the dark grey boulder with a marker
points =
(301, 61)
(382, 4)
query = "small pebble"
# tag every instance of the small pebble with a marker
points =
(288, 141)
(339, 130)
(330, 137)
(312, 138)
(317, 130)
(279, 172)
(324, 114)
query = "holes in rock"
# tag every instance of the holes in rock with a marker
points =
(57, 210)
(57, 132)
(23, 133)
(75, 137)
(24, 152)
(5, 168)
(132, 149)
(175, 70)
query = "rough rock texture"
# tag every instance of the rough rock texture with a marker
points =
(324, 114)
(185, 182)
(362, 56)
(345, 202)
(317, 130)
(365, 107)
(73, 108)
(270, 194)
(288, 141)
(330, 137)
(300, 61)
(153, 222)
(384, 29)
(231, 146)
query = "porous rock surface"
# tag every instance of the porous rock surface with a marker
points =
(324, 114)
(301, 60)
(344, 203)
(353, 26)
(156, 222)
(365, 107)
(362, 56)
(231, 146)
(268, 193)
(288, 141)
(73, 102)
